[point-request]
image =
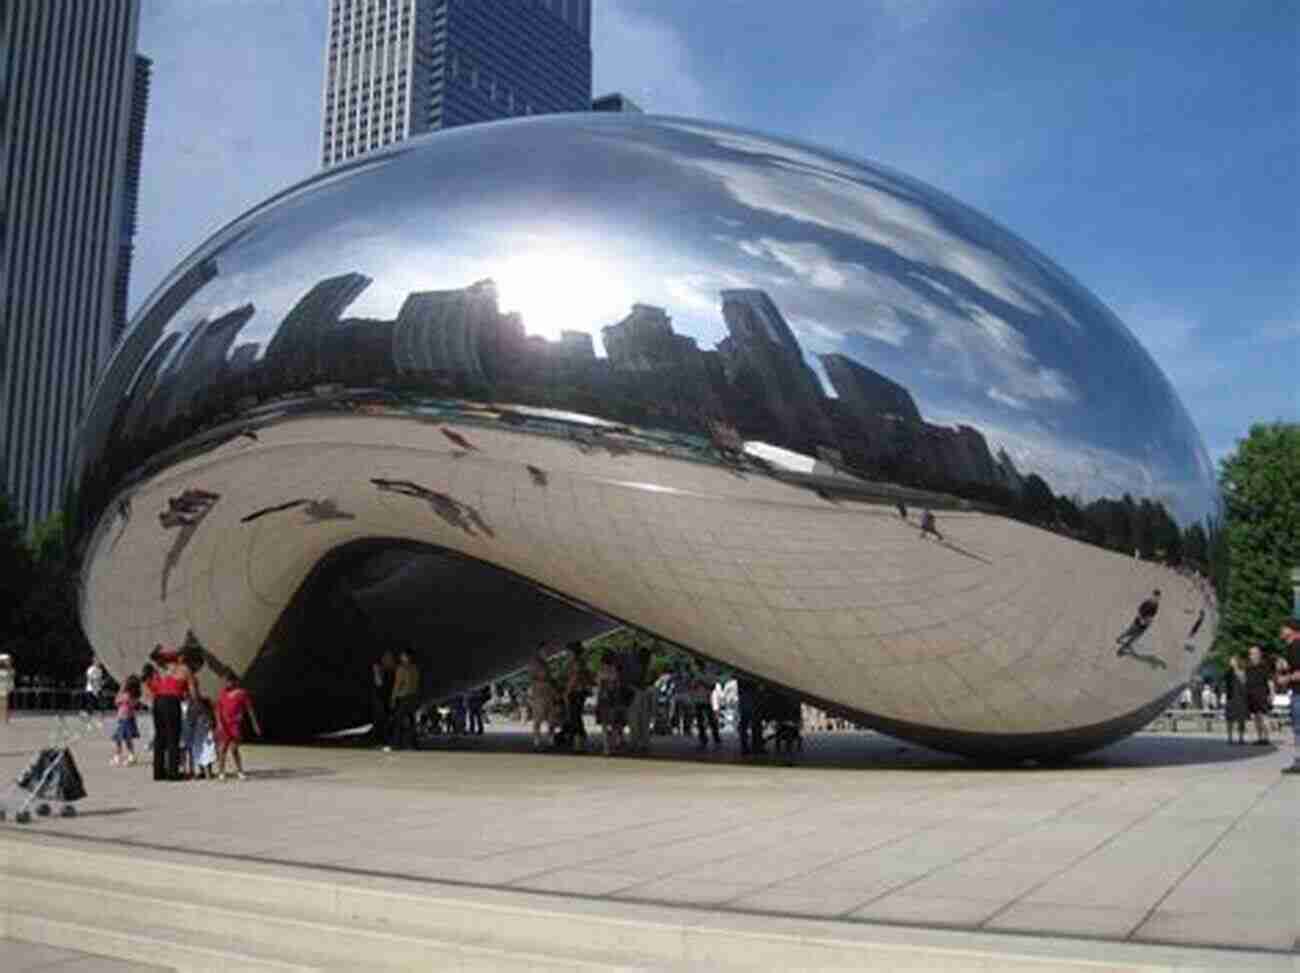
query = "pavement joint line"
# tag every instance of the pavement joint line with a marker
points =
(826, 923)
(1150, 813)
(1259, 799)
(971, 854)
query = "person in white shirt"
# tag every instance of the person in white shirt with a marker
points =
(94, 684)
(7, 681)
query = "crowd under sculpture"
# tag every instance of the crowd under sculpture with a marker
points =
(535, 379)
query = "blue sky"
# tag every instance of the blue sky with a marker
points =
(1153, 149)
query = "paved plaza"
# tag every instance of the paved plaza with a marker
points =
(1161, 838)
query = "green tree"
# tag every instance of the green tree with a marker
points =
(16, 579)
(1261, 492)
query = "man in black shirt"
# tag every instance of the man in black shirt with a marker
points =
(1288, 677)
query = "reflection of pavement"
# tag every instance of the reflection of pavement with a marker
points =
(1174, 839)
(1002, 628)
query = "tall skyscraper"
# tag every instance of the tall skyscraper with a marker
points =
(396, 68)
(72, 103)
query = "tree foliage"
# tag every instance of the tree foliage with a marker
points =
(39, 624)
(1261, 492)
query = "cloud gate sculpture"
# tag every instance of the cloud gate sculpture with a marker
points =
(536, 379)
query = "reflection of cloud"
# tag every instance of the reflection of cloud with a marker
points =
(1087, 472)
(997, 395)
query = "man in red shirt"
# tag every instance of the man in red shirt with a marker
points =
(232, 704)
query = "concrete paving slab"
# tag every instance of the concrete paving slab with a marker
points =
(1126, 844)
(17, 956)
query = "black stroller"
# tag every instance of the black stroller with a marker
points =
(51, 778)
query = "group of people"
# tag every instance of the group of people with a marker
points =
(193, 735)
(631, 699)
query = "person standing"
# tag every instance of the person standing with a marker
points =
(702, 710)
(233, 703)
(126, 731)
(8, 679)
(1236, 712)
(167, 687)
(381, 689)
(475, 700)
(405, 699)
(1289, 677)
(639, 688)
(94, 686)
(749, 723)
(1146, 614)
(542, 696)
(609, 704)
(576, 687)
(1259, 693)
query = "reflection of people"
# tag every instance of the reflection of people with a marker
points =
(1236, 712)
(1288, 677)
(1259, 693)
(902, 509)
(929, 527)
(1146, 614)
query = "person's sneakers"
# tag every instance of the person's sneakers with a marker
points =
(114, 761)
(130, 761)
(386, 749)
(242, 776)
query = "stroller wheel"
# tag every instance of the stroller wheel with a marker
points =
(68, 811)
(43, 810)
(23, 817)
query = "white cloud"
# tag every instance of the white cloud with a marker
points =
(647, 58)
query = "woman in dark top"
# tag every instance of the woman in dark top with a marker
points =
(1259, 693)
(1237, 711)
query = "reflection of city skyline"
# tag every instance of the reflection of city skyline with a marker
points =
(755, 381)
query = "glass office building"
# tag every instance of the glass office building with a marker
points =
(395, 68)
(73, 95)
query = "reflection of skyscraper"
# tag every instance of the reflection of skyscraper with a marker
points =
(760, 354)
(297, 342)
(393, 70)
(440, 330)
(644, 341)
(68, 80)
(127, 379)
(577, 346)
(205, 354)
(868, 392)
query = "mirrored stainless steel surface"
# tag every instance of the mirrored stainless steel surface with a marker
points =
(529, 380)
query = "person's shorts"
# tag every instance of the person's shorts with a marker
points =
(126, 730)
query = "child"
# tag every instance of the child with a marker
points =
(202, 748)
(126, 730)
(232, 704)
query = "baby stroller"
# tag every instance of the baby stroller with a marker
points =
(52, 777)
(785, 712)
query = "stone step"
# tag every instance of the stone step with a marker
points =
(136, 903)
